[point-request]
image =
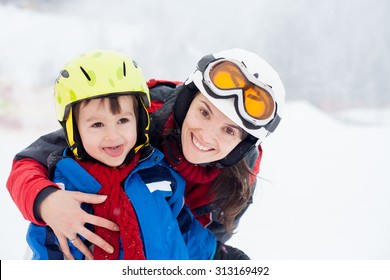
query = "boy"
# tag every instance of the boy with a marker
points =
(101, 99)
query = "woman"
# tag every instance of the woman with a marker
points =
(209, 129)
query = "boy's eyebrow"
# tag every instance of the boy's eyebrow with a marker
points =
(91, 119)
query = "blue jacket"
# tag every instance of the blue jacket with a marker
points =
(168, 229)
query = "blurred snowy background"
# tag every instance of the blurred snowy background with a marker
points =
(324, 191)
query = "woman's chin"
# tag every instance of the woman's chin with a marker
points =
(190, 157)
(198, 157)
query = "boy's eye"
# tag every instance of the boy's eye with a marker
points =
(98, 124)
(123, 120)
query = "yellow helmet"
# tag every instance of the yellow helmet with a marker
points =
(95, 74)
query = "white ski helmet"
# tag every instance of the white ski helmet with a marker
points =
(242, 86)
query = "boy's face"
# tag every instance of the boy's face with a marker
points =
(107, 137)
(208, 135)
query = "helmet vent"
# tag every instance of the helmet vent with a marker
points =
(124, 69)
(85, 73)
(65, 74)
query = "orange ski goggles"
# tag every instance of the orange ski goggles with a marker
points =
(254, 100)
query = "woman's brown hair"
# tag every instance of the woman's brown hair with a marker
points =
(232, 192)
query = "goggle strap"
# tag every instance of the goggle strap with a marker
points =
(204, 62)
(271, 126)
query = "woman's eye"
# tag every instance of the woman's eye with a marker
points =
(204, 113)
(230, 131)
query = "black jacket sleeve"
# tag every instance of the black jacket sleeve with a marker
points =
(43, 147)
(226, 252)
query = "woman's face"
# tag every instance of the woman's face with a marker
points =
(207, 134)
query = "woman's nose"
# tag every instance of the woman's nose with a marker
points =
(208, 134)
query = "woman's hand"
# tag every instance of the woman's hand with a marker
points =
(62, 212)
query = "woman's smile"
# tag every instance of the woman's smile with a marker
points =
(199, 145)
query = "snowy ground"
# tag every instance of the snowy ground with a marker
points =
(324, 187)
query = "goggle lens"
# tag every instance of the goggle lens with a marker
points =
(258, 102)
(226, 75)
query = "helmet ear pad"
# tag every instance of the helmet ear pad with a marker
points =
(238, 153)
(78, 147)
(143, 124)
(72, 134)
(183, 101)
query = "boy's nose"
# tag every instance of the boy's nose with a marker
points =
(111, 133)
